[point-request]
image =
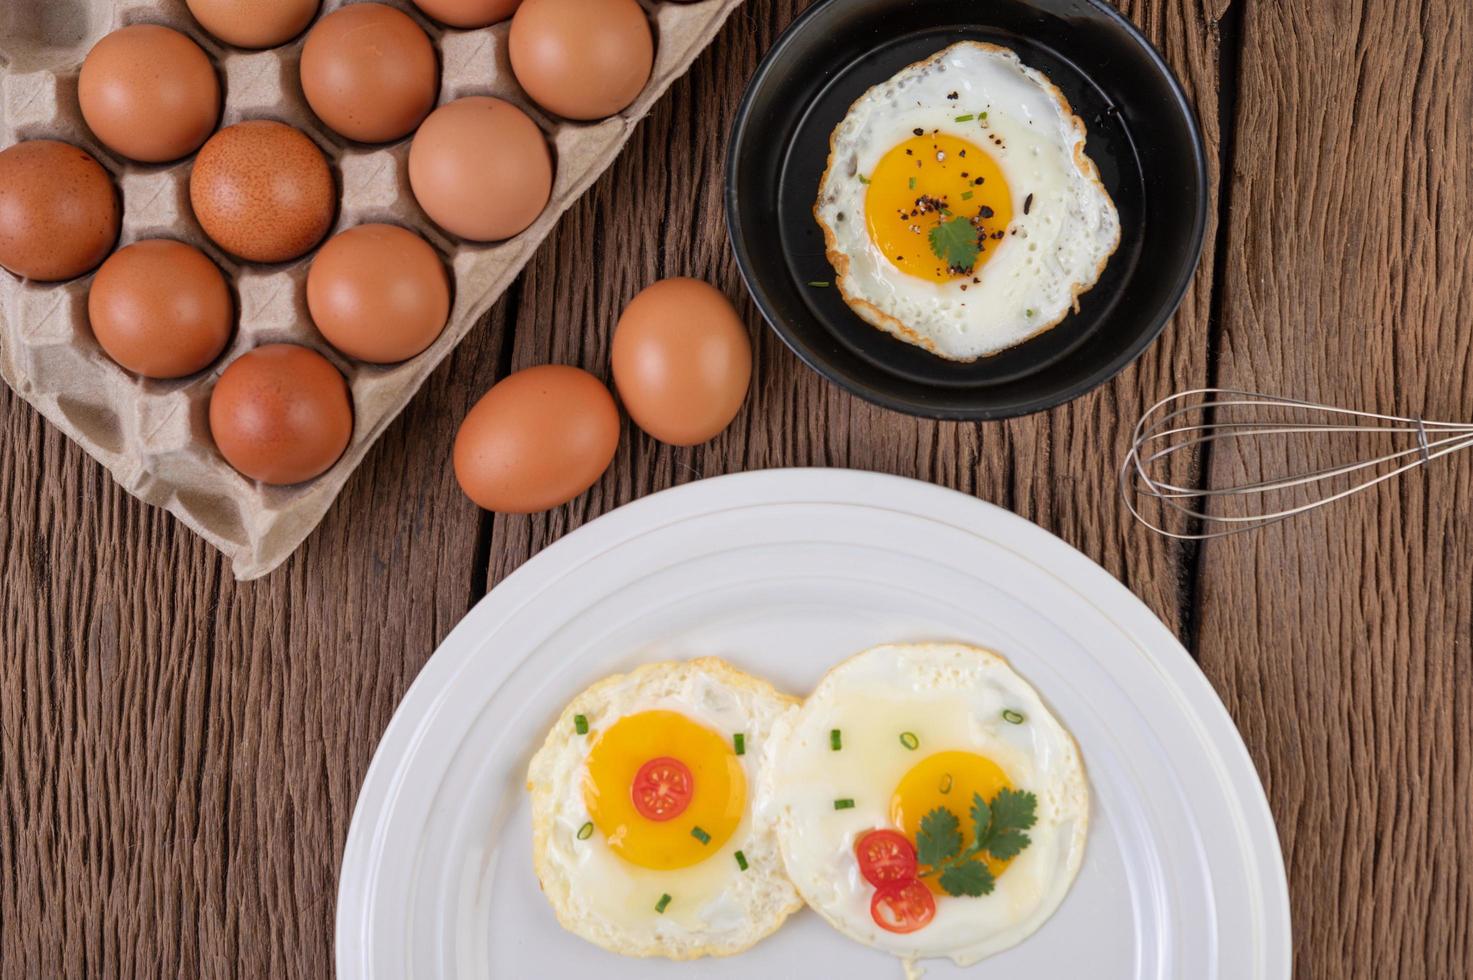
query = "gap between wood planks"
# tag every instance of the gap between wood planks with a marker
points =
(481, 554)
(1229, 61)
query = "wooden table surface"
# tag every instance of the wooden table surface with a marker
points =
(180, 753)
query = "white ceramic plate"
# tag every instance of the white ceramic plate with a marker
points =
(785, 573)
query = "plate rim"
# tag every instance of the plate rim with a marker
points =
(1100, 375)
(355, 893)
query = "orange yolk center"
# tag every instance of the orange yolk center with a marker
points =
(928, 180)
(947, 780)
(718, 789)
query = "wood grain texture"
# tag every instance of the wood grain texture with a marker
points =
(180, 754)
(1341, 642)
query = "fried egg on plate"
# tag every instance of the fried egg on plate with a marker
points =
(959, 209)
(643, 828)
(904, 738)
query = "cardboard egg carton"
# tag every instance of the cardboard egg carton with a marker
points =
(153, 436)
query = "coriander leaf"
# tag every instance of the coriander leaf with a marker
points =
(1006, 844)
(1012, 810)
(981, 821)
(955, 243)
(970, 878)
(940, 837)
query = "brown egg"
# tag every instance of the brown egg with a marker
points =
(149, 93)
(59, 212)
(160, 308)
(378, 293)
(468, 13)
(281, 414)
(583, 59)
(481, 168)
(538, 438)
(263, 191)
(369, 72)
(682, 361)
(254, 23)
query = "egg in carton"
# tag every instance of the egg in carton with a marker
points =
(154, 436)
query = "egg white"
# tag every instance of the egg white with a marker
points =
(952, 697)
(716, 909)
(1049, 256)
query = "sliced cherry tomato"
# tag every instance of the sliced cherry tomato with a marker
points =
(903, 907)
(662, 789)
(885, 857)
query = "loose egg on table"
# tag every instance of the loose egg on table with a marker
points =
(59, 212)
(254, 23)
(582, 59)
(378, 293)
(263, 191)
(281, 414)
(960, 210)
(160, 308)
(537, 439)
(646, 839)
(682, 361)
(481, 168)
(149, 93)
(927, 802)
(369, 72)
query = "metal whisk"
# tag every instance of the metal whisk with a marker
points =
(1268, 434)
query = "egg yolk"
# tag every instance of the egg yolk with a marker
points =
(717, 789)
(947, 780)
(927, 181)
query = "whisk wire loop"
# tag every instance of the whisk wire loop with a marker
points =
(1167, 429)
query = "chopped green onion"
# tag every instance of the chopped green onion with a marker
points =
(820, 283)
(1026, 313)
(912, 183)
(983, 117)
(966, 195)
(741, 860)
(585, 831)
(836, 741)
(739, 743)
(967, 118)
(909, 740)
(662, 904)
(862, 178)
(580, 724)
(700, 835)
(946, 783)
(1009, 715)
(843, 804)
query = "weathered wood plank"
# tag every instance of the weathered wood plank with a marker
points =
(1341, 641)
(179, 753)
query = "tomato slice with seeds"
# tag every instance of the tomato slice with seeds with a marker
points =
(662, 789)
(903, 907)
(885, 857)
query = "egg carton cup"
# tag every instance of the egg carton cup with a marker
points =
(153, 436)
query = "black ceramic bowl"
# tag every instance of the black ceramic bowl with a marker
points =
(1142, 136)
